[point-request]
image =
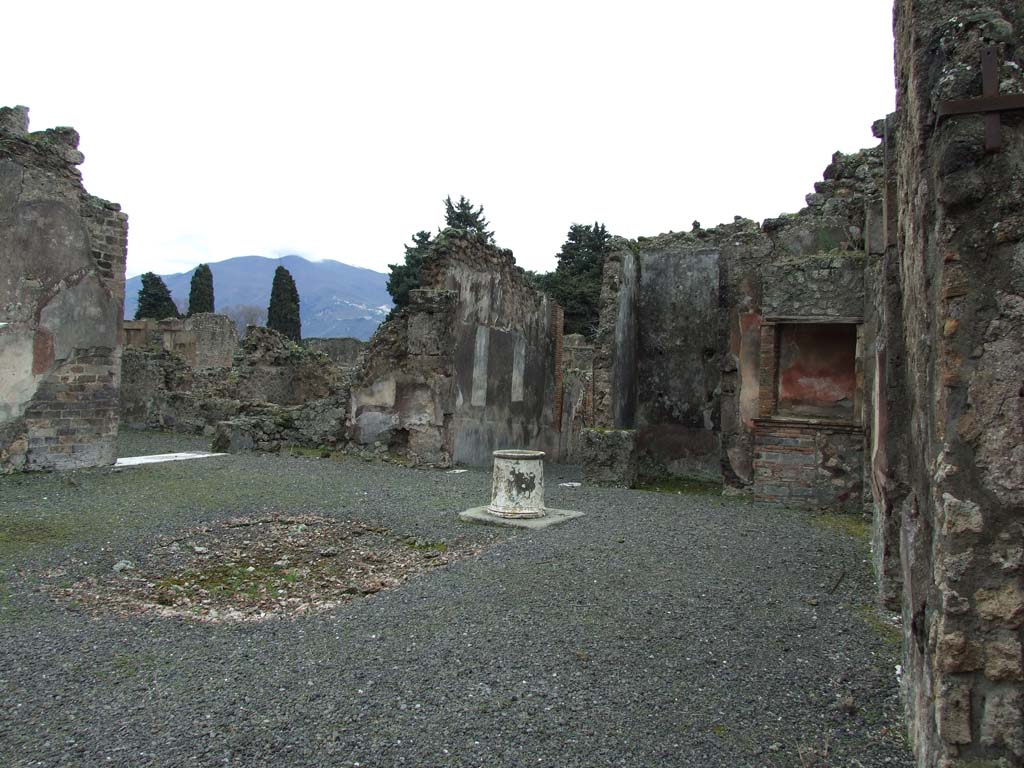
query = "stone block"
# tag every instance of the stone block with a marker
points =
(953, 711)
(1002, 723)
(609, 457)
(1003, 659)
(1003, 607)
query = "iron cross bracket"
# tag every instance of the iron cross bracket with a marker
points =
(990, 104)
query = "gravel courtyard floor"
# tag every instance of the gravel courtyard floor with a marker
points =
(660, 629)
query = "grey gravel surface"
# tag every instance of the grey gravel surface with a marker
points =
(660, 629)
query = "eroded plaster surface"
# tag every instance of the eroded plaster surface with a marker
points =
(62, 256)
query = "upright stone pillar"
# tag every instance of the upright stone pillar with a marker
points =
(961, 270)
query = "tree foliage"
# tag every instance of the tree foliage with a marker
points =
(283, 312)
(576, 282)
(200, 295)
(155, 302)
(461, 215)
(404, 277)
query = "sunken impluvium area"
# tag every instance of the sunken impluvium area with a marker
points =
(254, 568)
(862, 357)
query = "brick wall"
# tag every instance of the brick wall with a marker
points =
(809, 465)
(767, 393)
(72, 420)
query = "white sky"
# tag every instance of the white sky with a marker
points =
(334, 130)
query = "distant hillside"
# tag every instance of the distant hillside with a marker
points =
(335, 299)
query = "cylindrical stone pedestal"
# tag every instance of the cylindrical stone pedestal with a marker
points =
(518, 486)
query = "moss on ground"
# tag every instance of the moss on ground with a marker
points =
(422, 545)
(310, 453)
(17, 534)
(683, 485)
(225, 580)
(857, 526)
(888, 631)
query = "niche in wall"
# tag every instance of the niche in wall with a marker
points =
(816, 374)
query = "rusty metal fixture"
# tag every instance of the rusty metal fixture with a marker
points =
(990, 104)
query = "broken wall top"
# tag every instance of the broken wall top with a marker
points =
(492, 290)
(55, 233)
(831, 222)
(804, 264)
(51, 158)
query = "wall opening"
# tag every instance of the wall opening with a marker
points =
(817, 371)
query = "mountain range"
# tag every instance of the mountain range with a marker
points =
(335, 299)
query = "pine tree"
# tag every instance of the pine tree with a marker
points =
(155, 302)
(461, 215)
(576, 282)
(200, 295)
(405, 277)
(283, 312)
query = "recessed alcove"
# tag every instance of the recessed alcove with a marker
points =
(816, 375)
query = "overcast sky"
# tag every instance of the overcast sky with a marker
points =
(335, 130)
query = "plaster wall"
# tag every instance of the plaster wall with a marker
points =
(504, 358)
(471, 362)
(62, 256)
(677, 360)
(817, 370)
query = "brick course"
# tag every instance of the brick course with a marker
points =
(809, 465)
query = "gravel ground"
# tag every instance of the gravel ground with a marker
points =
(660, 629)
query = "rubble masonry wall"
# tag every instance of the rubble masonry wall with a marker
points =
(62, 265)
(960, 395)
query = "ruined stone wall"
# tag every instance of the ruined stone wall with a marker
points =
(62, 264)
(403, 397)
(344, 351)
(204, 340)
(615, 337)
(693, 387)
(828, 286)
(961, 276)
(809, 465)
(319, 424)
(466, 368)
(216, 339)
(678, 359)
(161, 390)
(577, 396)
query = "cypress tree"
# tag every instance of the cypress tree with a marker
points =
(155, 302)
(200, 295)
(405, 277)
(283, 312)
